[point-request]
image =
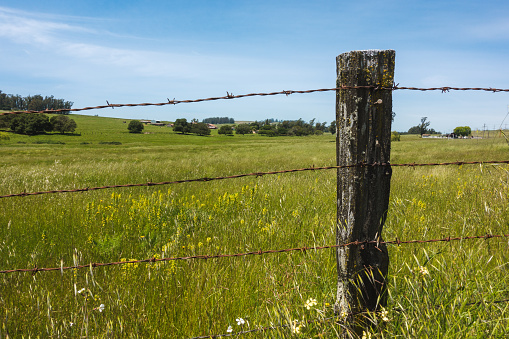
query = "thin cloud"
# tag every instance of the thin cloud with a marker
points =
(494, 30)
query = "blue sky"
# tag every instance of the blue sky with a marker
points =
(148, 51)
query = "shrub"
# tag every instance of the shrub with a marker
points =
(49, 142)
(110, 143)
(225, 129)
(62, 123)
(135, 126)
(4, 136)
(243, 129)
(395, 136)
(267, 132)
(200, 128)
(30, 124)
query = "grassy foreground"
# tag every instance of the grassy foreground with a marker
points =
(436, 290)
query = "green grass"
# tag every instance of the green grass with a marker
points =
(189, 298)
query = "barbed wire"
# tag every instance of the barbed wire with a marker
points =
(228, 95)
(260, 252)
(257, 174)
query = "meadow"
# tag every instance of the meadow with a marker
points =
(438, 290)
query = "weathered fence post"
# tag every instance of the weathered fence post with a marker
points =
(364, 119)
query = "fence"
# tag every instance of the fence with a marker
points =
(228, 95)
(373, 90)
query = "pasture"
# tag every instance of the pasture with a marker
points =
(445, 290)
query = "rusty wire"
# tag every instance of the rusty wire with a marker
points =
(231, 96)
(256, 174)
(260, 252)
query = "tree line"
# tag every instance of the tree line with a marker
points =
(10, 102)
(217, 120)
(286, 127)
(32, 124)
(184, 127)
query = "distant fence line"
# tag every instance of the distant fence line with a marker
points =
(228, 95)
(260, 252)
(256, 174)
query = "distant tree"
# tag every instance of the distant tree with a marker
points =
(268, 132)
(423, 125)
(243, 129)
(320, 126)
(464, 131)
(422, 128)
(62, 124)
(332, 127)
(225, 129)
(5, 120)
(35, 103)
(5, 101)
(30, 124)
(200, 128)
(254, 126)
(182, 126)
(414, 130)
(135, 126)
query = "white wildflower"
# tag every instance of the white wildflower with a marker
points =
(296, 327)
(423, 270)
(100, 308)
(310, 303)
(384, 314)
(240, 321)
(230, 329)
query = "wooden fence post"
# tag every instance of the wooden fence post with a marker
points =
(364, 119)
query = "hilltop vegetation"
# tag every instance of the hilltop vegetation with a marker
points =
(10, 102)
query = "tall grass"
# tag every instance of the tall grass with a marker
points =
(436, 290)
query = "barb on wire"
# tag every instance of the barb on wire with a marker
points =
(260, 252)
(231, 96)
(256, 174)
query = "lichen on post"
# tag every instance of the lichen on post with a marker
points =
(364, 136)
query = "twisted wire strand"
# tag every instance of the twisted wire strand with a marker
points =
(228, 96)
(256, 174)
(260, 252)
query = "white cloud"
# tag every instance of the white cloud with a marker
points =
(71, 50)
(18, 27)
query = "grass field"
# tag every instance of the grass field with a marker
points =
(452, 297)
